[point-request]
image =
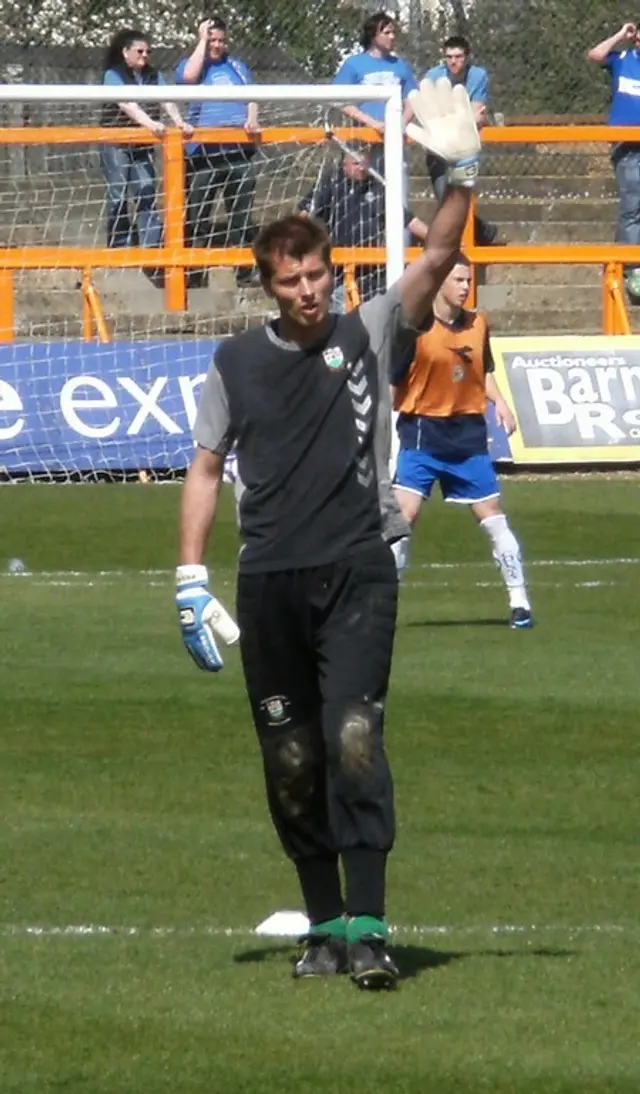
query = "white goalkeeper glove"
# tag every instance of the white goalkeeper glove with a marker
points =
(203, 619)
(447, 128)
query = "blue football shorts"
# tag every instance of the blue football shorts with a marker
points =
(464, 481)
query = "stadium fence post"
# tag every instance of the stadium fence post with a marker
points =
(394, 195)
(174, 207)
(7, 305)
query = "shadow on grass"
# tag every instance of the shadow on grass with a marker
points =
(411, 960)
(280, 951)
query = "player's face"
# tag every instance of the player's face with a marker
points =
(136, 56)
(456, 61)
(302, 289)
(457, 286)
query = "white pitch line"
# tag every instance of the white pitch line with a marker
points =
(99, 930)
(90, 573)
(498, 584)
(59, 584)
(94, 575)
(536, 562)
(56, 584)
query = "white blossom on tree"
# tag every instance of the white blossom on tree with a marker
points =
(310, 33)
(92, 22)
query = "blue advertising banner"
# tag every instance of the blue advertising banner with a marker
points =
(78, 407)
(72, 406)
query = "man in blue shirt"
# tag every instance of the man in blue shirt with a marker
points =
(219, 169)
(620, 54)
(458, 69)
(377, 66)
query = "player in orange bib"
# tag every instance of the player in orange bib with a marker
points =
(441, 398)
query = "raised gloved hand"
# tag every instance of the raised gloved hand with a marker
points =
(447, 128)
(202, 618)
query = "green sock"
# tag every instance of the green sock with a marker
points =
(366, 924)
(337, 927)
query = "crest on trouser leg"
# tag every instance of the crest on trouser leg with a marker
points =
(276, 708)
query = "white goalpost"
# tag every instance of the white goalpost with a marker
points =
(123, 401)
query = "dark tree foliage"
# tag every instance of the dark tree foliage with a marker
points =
(536, 52)
(534, 49)
(316, 34)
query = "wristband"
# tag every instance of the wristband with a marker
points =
(463, 174)
(192, 574)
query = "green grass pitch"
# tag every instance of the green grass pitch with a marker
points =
(131, 800)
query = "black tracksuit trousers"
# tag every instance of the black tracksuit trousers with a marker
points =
(316, 649)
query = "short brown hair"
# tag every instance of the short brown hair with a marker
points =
(216, 23)
(456, 41)
(294, 236)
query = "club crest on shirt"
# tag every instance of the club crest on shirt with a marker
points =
(465, 360)
(333, 358)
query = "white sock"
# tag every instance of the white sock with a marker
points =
(401, 554)
(506, 552)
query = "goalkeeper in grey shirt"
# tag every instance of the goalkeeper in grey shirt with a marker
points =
(305, 400)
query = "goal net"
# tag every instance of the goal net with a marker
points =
(103, 347)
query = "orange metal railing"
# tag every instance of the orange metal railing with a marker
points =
(351, 286)
(614, 308)
(92, 312)
(174, 256)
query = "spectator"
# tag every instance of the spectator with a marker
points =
(620, 54)
(219, 169)
(351, 204)
(130, 167)
(459, 70)
(377, 65)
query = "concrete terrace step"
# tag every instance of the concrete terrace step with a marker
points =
(128, 292)
(575, 275)
(521, 298)
(537, 208)
(563, 161)
(135, 326)
(548, 187)
(225, 310)
(553, 232)
(504, 321)
(542, 303)
(545, 321)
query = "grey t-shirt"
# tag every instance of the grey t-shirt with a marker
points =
(312, 429)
